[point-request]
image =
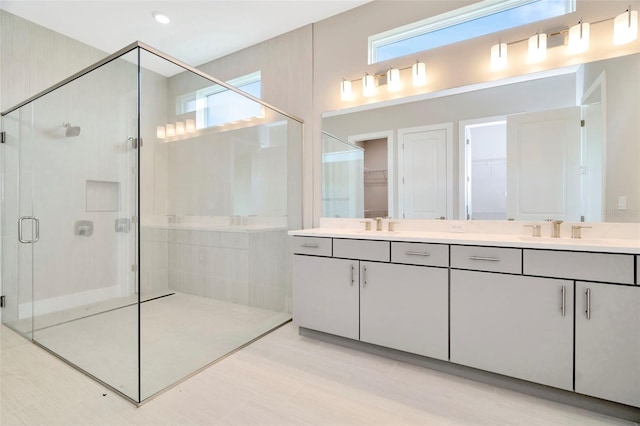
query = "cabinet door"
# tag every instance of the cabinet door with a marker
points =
(325, 295)
(513, 325)
(608, 342)
(405, 307)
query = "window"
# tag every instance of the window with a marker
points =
(476, 20)
(216, 105)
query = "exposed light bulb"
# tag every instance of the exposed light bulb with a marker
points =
(498, 56)
(419, 73)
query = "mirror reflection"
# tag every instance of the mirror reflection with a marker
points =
(563, 144)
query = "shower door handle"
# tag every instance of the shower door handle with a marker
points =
(36, 234)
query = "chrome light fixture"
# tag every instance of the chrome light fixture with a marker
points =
(419, 73)
(537, 47)
(368, 85)
(579, 37)
(190, 125)
(345, 90)
(625, 27)
(499, 56)
(393, 80)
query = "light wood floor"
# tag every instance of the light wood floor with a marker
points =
(283, 379)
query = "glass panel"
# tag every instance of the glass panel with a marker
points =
(77, 181)
(16, 257)
(216, 204)
(342, 178)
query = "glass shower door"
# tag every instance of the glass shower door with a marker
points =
(17, 224)
(76, 233)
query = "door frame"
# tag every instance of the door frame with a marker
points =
(448, 128)
(391, 158)
(463, 193)
(599, 87)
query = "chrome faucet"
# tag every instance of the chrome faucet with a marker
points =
(367, 224)
(535, 230)
(378, 223)
(555, 230)
(575, 231)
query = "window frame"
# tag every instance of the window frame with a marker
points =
(444, 20)
(201, 96)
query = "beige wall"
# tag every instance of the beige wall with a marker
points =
(287, 84)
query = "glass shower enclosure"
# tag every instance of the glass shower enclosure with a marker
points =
(145, 209)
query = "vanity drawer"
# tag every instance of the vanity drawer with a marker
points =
(612, 268)
(362, 249)
(317, 246)
(491, 259)
(420, 254)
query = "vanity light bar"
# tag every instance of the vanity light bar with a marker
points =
(625, 30)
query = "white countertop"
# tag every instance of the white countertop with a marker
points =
(607, 245)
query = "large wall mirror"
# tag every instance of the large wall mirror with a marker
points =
(563, 144)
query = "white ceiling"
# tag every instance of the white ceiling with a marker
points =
(200, 30)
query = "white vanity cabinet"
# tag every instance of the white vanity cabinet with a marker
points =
(405, 307)
(514, 325)
(565, 318)
(608, 341)
(326, 295)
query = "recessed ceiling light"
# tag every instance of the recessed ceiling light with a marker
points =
(161, 17)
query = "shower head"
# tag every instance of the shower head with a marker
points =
(70, 130)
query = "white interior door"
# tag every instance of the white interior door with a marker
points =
(423, 172)
(543, 165)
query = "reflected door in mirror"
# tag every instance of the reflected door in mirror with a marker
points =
(549, 141)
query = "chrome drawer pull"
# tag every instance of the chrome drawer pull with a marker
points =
(364, 276)
(588, 297)
(488, 259)
(352, 280)
(417, 253)
(564, 300)
(310, 245)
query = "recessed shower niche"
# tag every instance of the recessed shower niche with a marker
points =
(103, 196)
(187, 256)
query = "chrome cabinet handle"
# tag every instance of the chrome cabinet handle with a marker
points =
(564, 300)
(417, 253)
(588, 302)
(364, 276)
(488, 259)
(310, 245)
(352, 270)
(36, 235)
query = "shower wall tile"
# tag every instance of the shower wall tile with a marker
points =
(239, 267)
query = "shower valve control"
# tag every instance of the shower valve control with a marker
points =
(123, 225)
(84, 228)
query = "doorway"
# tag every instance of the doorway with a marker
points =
(485, 168)
(377, 177)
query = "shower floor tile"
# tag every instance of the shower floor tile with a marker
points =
(180, 334)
